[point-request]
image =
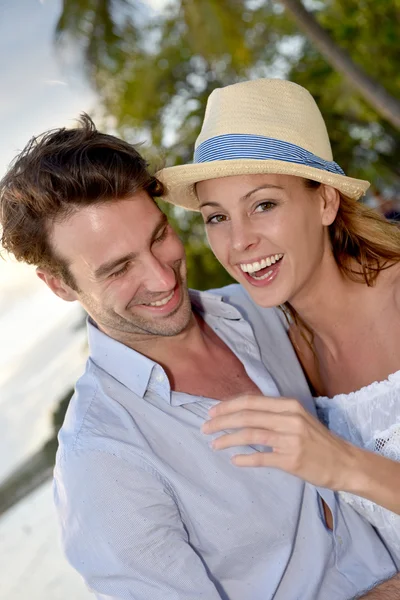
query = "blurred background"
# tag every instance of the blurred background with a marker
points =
(143, 70)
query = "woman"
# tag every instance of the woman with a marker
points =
(284, 220)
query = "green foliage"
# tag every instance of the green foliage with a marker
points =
(154, 72)
(363, 143)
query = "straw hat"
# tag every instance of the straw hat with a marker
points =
(259, 126)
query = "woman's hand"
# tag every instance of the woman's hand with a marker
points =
(300, 444)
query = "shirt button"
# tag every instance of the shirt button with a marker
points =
(339, 539)
(160, 377)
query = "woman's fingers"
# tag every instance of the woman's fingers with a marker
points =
(256, 402)
(251, 419)
(247, 437)
(258, 459)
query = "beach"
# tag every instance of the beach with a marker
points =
(42, 352)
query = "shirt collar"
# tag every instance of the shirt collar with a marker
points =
(134, 370)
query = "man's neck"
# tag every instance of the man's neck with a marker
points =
(165, 350)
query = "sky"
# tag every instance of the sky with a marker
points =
(39, 90)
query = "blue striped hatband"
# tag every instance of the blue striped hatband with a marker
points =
(241, 145)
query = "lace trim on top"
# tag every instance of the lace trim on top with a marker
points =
(376, 386)
(366, 415)
(370, 418)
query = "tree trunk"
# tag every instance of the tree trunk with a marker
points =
(383, 102)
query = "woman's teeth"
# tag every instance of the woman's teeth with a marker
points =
(252, 268)
(262, 276)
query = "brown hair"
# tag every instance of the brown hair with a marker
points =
(58, 172)
(359, 235)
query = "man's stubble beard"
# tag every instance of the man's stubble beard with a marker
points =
(134, 324)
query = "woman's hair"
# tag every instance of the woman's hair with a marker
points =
(359, 236)
(56, 174)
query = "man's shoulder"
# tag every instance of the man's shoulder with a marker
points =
(93, 413)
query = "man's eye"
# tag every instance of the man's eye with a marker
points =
(215, 219)
(162, 235)
(264, 206)
(121, 271)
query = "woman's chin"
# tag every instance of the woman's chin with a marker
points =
(266, 297)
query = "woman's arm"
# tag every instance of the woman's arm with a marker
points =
(304, 447)
(376, 478)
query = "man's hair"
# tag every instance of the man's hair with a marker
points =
(57, 173)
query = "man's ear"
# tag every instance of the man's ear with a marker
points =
(57, 285)
(330, 204)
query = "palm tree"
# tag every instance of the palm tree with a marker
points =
(383, 102)
(216, 30)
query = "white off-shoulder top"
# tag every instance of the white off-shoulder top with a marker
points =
(370, 418)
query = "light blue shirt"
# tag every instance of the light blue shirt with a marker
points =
(150, 512)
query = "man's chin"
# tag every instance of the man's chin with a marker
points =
(145, 321)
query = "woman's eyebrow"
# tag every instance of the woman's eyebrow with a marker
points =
(265, 186)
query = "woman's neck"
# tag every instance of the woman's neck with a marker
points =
(329, 304)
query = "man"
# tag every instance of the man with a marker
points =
(148, 510)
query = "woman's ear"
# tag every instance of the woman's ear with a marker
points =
(330, 204)
(57, 285)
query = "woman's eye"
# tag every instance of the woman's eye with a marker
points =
(215, 219)
(264, 206)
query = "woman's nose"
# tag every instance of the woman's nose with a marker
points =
(242, 236)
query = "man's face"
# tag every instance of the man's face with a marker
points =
(129, 267)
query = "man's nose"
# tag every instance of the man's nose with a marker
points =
(158, 276)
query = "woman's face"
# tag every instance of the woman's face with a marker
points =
(268, 231)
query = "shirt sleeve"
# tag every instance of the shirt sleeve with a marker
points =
(122, 531)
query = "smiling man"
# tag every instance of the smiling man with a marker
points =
(147, 509)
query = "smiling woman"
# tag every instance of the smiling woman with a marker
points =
(258, 218)
(286, 222)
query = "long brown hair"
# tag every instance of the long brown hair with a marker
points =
(358, 235)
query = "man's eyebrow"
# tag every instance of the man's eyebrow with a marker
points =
(265, 186)
(110, 265)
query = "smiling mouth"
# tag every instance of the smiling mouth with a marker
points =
(261, 269)
(162, 302)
